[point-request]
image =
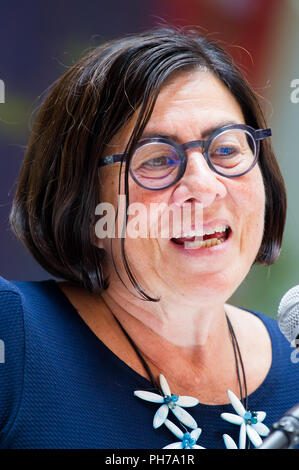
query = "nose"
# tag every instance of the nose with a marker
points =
(199, 182)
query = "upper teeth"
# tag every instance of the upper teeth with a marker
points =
(200, 233)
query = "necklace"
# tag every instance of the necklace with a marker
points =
(250, 422)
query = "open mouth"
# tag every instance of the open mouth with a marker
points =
(206, 240)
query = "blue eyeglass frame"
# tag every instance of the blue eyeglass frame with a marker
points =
(256, 134)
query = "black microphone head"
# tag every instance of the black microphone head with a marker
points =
(288, 314)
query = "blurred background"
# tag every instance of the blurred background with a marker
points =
(40, 40)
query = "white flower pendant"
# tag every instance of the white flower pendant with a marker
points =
(187, 440)
(168, 401)
(250, 423)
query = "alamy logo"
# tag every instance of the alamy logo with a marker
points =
(295, 93)
(2, 92)
(158, 220)
(2, 352)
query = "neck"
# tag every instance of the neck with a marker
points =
(200, 359)
(173, 334)
(173, 319)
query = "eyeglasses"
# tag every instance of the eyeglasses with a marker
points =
(158, 163)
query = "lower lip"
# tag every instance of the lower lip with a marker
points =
(205, 251)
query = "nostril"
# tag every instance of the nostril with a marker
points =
(191, 199)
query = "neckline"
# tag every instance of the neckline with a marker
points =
(256, 395)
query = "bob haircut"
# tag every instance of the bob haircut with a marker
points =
(58, 185)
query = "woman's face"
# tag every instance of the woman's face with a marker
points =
(187, 106)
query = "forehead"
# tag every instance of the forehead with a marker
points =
(187, 105)
(194, 102)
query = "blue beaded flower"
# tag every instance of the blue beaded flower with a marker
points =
(250, 423)
(169, 402)
(187, 439)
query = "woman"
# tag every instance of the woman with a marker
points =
(160, 117)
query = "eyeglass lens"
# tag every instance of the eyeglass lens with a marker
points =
(157, 165)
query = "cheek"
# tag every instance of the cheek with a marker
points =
(252, 207)
(108, 184)
(139, 209)
(106, 207)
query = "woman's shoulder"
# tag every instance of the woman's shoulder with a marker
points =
(47, 319)
(255, 324)
(35, 298)
(252, 320)
(263, 333)
(11, 309)
(23, 290)
(250, 325)
(35, 310)
(7, 287)
(12, 341)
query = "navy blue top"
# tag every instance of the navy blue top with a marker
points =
(61, 387)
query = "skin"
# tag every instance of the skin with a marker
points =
(185, 335)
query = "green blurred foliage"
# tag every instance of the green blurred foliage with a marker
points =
(15, 117)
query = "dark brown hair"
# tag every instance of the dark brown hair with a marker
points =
(58, 186)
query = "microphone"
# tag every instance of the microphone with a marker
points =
(288, 316)
(285, 433)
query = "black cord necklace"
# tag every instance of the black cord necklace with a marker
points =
(237, 354)
(238, 357)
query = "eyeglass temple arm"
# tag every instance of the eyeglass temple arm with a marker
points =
(261, 134)
(111, 159)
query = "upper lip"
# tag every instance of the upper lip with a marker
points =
(203, 229)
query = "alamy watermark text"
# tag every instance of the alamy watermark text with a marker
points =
(295, 93)
(2, 351)
(2, 91)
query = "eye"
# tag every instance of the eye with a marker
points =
(225, 151)
(159, 162)
(231, 151)
(154, 157)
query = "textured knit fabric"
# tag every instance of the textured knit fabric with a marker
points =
(61, 387)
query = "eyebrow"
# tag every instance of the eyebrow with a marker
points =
(204, 134)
